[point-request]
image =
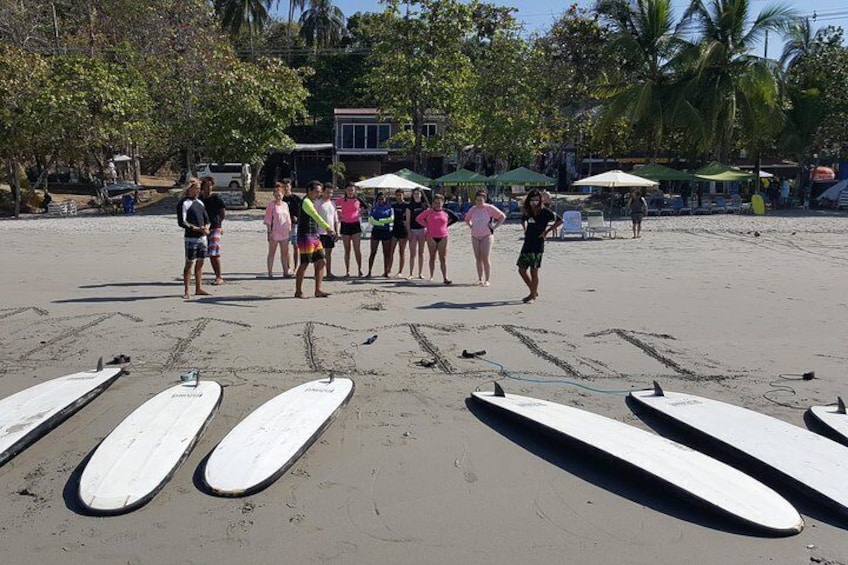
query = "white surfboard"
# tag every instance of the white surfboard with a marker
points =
(29, 414)
(708, 480)
(136, 460)
(271, 438)
(833, 417)
(813, 461)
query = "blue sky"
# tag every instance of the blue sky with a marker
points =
(538, 15)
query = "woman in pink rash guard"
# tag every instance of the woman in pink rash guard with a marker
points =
(436, 221)
(483, 219)
(350, 211)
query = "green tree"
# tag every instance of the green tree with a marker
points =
(323, 24)
(22, 78)
(237, 15)
(645, 38)
(248, 108)
(419, 69)
(729, 84)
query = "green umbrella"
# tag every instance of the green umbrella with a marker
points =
(460, 177)
(523, 176)
(414, 177)
(660, 172)
(718, 172)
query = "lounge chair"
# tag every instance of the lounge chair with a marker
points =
(595, 224)
(704, 207)
(679, 206)
(735, 206)
(719, 206)
(572, 224)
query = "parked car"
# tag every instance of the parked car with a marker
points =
(225, 174)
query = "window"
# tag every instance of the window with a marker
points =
(364, 136)
(427, 130)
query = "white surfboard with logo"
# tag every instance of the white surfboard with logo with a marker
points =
(271, 438)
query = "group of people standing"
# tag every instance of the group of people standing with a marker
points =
(309, 227)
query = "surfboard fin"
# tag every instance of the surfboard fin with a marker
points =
(498, 390)
(332, 376)
(100, 364)
(840, 405)
(658, 391)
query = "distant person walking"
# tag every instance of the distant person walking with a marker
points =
(217, 211)
(416, 232)
(350, 212)
(638, 207)
(436, 220)
(293, 201)
(279, 225)
(483, 219)
(535, 218)
(308, 242)
(381, 218)
(192, 217)
(327, 210)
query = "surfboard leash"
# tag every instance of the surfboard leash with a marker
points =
(509, 375)
(778, 387)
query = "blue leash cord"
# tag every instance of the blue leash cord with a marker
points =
(509, 375)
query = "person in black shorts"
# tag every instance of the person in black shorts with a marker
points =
(327, 209)
(294, 202)
(350, 208)
(192, 217)
(400, 233)
(381, 219)
(535, 218)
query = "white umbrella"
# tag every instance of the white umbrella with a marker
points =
(121, 158)
(765, 175)
(615, 179)
(388, 182)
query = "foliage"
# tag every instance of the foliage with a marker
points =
(323, 24)
(248, 108)
(419, 69)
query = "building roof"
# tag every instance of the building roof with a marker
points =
(354, 111)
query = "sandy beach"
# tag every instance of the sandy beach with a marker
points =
(410, 471)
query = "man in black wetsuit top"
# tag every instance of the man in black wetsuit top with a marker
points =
(192, 217)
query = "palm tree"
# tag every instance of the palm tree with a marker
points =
(646, 40)
(800, 42)
(323, 24)
(238, 14)
(293, 5)
(730, 85)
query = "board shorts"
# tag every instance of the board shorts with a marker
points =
(381, 235)
(195, 248)
(327, 241)
(529, 261)
(350, 228)
(636, 217)
(214, 247)
(310, 249)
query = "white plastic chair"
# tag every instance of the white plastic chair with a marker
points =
(572, 224)
(595, 224)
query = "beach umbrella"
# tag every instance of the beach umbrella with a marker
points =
(523, 176)
(719, 172)
(414, 177)
(616, 179)
(389, 181)
(461, 177)
(660, 173)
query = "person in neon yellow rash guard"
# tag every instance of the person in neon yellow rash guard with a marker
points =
(308, 242)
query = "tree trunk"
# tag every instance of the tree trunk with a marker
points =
(417, 159)
(15, 184)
